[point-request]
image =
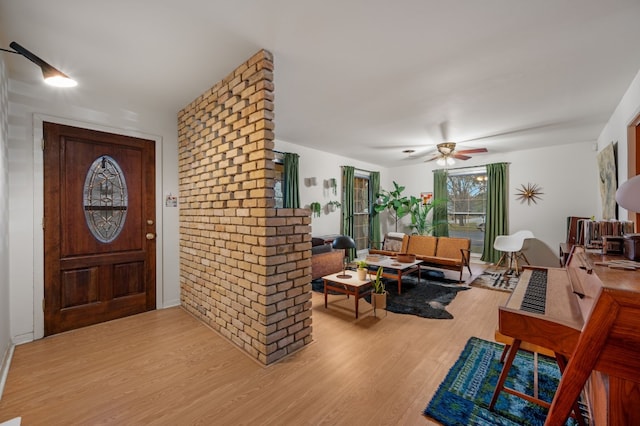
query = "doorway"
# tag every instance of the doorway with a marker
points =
(99, 227)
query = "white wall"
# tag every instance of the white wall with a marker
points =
(322, 166)
(5, 329)
(616, 131)
(28, 106)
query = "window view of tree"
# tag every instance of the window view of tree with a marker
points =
(467, 205)
(361, 212)
(278, 184)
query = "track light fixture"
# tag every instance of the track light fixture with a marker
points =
(52, 75)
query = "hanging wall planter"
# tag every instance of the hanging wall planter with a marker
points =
(315, 208)
(332, 205)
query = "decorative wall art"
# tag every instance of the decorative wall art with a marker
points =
(608, 182)
(427, 198)
(530, 192)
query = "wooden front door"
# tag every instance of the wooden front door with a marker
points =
(99, 227)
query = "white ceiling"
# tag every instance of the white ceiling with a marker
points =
(360, 78)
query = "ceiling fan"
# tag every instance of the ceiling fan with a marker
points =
(446, 153)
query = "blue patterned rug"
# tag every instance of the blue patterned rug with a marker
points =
(463, 398)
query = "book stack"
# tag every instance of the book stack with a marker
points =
(590, 232)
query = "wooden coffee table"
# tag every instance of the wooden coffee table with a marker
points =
(394, 269)
(349, 286)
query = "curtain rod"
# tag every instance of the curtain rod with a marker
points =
(358, 169)
(470, 167)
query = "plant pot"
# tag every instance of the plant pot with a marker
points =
(379, 301)
(362, 274)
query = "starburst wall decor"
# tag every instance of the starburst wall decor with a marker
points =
(529, 193)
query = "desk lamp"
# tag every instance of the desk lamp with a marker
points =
(344, 242)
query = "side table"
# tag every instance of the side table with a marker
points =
(349, 286)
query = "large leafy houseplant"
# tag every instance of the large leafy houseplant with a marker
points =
(397, 204)
(420, 219)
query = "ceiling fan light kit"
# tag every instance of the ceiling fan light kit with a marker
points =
(446, 154)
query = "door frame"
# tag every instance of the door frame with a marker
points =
(38, 209)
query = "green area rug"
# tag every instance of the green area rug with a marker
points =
(463, 398)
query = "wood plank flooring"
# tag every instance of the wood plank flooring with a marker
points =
(166, 368)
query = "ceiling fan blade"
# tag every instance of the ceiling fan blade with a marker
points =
(435, 157)
(415, 155)
(460, 157)
(471, 151)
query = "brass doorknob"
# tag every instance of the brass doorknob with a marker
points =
(150, 236)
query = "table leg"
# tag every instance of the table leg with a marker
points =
(325, 294)
(357, 298)
(399, 281)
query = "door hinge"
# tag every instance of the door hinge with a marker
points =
(43, 223)
(42, 143)
(42, 305)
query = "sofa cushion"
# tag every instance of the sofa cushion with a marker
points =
(316, 241)
(423, 245)
(393, 241)
(440, 261)
(451, 247)
(322, 248)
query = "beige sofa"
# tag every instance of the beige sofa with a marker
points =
(434, 252)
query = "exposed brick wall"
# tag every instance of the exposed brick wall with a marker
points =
(245, 267)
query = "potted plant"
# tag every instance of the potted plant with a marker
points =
(362, 269)
(331, 205)
(397, 204)
(378, 294)
(334, 185)
(420, 223)
(315, 208)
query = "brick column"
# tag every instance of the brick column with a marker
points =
(245, 267)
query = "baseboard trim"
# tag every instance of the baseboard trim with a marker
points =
(6, 363)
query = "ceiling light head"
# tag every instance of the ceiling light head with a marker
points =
(441, 161)
(450, 161)
(446, 148)
(52, 76)
(56, 78)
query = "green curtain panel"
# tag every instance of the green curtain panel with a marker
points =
(374, 224)
(291, 186)
(348, 204)
(497, 214)
(440, 213)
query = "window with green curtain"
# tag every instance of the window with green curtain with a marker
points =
(497, 209)
(291, 185)
(374, 186)
(348, 206)
(440, 219)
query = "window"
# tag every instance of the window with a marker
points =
(361, 208)
(278, 184)
(467, 206)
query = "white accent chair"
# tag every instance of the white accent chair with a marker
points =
(511, 248)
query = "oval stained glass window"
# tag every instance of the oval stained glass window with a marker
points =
(105, 199)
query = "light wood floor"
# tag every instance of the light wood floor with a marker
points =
(165, 367)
